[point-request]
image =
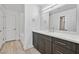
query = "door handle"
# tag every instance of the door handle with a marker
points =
(0, 31)
(3, 39)
(14, 28)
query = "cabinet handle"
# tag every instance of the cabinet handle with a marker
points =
(60, 43)
(59, 52)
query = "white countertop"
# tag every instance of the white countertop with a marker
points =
(65, 36)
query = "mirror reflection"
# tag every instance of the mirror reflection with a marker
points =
(64, 18)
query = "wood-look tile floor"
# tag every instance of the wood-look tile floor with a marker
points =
(32, 51)
(15, 47)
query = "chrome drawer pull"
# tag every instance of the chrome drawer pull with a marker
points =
(61, 43)
(59, 52)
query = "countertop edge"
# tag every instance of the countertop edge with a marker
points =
(68, 37)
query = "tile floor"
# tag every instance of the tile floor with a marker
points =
(15, 47)
(32, 51)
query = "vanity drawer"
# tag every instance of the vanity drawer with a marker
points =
(77, 48)
(45, 37)
(61, 50)
(65, 44)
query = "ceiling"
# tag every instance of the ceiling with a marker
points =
(20, 7)
(43, 5)
(15, 7)
(63, 8)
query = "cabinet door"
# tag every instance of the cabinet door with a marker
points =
(47, 45)
(41, 44)
(61, 50)
(63, 47)
(35, 38)
(52, 45)
(77, 48)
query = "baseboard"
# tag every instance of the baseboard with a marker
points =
(25, 41)
(27, 47)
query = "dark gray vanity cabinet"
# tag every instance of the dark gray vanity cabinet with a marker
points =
(39, 42)
(35, 40)
(47, 44)
(42, 43)
(77, 48)
(63, 47)
(52, 45)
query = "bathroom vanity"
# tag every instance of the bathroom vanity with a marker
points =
(55, 43)
(59, 30)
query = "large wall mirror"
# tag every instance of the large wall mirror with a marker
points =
(64, 18)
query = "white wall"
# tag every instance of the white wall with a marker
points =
(28, 28)
(78, 18)
(35, 17)
(44, 22)
(22, 20)
(31, 11)
(70, 20)
(22, 27)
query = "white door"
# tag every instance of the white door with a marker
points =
(10, 27)
(1, 29)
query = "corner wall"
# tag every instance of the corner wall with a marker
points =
(31, 12)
